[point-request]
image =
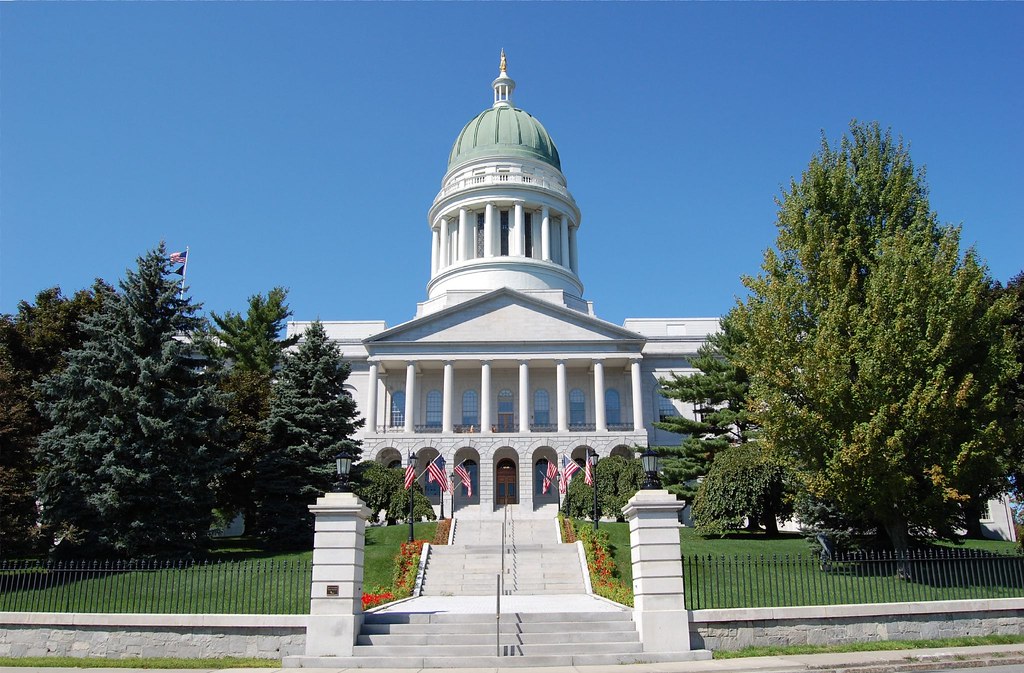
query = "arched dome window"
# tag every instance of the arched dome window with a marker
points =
(434, 409)
(612, 410)
(577, 407)
(470, 409)
(541, 408)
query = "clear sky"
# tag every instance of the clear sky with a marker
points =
(301, 144)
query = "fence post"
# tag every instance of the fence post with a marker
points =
(335, 604)
(659, 607)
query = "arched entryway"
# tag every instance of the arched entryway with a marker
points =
(544, 491)
(506, 491)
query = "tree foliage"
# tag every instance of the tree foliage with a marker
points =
(876, 357)
(127, 463)
(383, 491)
(718, 394)
(246, 350)
(745, 484)
(1015, 322)
(618, 480)
(312, 418)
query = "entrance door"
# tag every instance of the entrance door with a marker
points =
(506, 493)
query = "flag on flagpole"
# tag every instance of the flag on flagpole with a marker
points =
(179, 257)
(410, 475)
(435, 473)
(463, 474)
(588, 473)
(549, 476)
(569, 468)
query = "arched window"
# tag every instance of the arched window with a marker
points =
(541, 408)
(434, 409)
(474, 478)
(540, 471)
(506, 411)
(470, 409)
(395, 464)
(666, 409)
(612, 410)
(577, 407)
(398, 409)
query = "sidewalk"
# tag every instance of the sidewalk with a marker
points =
(855, 662)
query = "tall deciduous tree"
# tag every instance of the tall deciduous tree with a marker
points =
(717, 392)
(128, 468)
(312, 418)
(876, 356)
(32, 344)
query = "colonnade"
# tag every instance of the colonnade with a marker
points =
(454, 238)
(487, 394)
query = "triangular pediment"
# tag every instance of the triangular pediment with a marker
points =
(504, 316)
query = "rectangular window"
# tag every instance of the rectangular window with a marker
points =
(504, 233)
(480, 218)
(528, 222)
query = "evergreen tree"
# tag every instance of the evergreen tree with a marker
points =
(718, 394)
(246, 350)
(312, 418)
(32, 344)
(128, 466)
(877, 359)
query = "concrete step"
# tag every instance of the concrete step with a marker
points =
(474, 618)
(496, 661)
(522, 638)
(483, 649)
(486, 626)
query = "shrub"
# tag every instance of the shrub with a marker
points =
(604, 578)
(407, 563)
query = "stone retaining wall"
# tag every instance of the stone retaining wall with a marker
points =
(40, 634)
(820, 625)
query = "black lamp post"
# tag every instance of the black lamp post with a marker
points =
(452, 482)
(412, 488)
(343, 463)
(592, 457)
(649, 458)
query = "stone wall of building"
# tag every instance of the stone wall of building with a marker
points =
(35, 634)
(821, 625)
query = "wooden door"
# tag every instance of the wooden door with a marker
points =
(507, 492)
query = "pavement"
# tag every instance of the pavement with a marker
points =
(1007, 657)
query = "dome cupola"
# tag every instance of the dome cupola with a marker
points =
(504, 216)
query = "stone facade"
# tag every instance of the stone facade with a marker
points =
(838, 624)
(127, 636)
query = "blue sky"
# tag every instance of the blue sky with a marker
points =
(301, 144)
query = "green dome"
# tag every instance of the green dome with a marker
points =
(504, 131)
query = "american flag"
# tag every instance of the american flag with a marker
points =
(588, 473)
(549, 476)
(569, 468)
(410, 475)
(466, 480)
(435, 473)
(178, 257)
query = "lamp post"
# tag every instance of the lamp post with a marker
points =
(592, 457)
(649, 458)
(412, 489)
(343, 463)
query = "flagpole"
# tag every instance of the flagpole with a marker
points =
(184, 271)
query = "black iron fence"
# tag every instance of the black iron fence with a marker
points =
(776, 581)
(178, 587)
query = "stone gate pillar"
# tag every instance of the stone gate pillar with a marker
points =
(336, 596)
(658, 607)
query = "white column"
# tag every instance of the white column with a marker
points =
(545, 234)
(434, 244)
(446, 409)
(489, 230)
(371, 399)
(524, 396)
(638, 398)
(485, 397)
(599, 413)
(574, 260)
(561, 397)
(410, 395)
(442, 258)
(520, 220)
(564, 232)
(465, 240)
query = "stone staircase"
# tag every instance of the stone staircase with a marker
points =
(535, 563)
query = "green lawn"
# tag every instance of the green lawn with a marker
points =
(241, 578)
(753, 570)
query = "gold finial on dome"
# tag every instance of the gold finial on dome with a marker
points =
(502, 67)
